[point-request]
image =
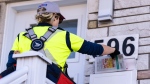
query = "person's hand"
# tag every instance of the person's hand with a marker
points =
(16, 52)
(114, 54)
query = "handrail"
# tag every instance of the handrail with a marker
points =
(33, 54)
(48, 81)
(15, 75)
(35, 73)
(20, 80)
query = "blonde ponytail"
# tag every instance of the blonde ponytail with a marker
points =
(43, 16)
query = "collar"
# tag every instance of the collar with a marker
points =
(44, 24)
(47, 24)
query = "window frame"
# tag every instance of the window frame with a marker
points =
(79, 26)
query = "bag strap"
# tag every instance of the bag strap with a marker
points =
(38, 44)
(47, 35)
(32, 36)
(66, 69)
(50, 31)
(44, 38)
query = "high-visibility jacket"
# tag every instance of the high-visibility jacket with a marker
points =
(56, 47)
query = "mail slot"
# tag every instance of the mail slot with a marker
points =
(107, 64)
(125, 77)
(114, 71)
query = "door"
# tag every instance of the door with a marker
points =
(75, 22)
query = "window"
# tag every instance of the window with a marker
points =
(71, 26)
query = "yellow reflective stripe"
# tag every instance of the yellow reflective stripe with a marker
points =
(48, 55)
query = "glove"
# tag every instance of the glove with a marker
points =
(114, 54)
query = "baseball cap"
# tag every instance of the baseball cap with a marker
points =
(50, 7)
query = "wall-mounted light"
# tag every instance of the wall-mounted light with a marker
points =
(105, 12)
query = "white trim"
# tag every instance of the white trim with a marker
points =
(8, 33)
(48, 81)
(33, 54)
(20, 80)
(32, 5)
(13, 76)
(11, 11)
(74, 76)
(123, 77)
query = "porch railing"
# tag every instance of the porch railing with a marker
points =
(31, 69)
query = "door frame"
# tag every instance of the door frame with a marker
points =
(11, 12)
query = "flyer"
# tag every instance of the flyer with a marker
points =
(107, 64)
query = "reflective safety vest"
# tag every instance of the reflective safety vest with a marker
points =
(57, 47)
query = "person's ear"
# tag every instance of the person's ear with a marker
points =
(55, 19)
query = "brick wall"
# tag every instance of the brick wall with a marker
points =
(130, 17)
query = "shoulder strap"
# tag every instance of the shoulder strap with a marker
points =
(68, 41)
(50, 31)
(32, 36)
(38, 44)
